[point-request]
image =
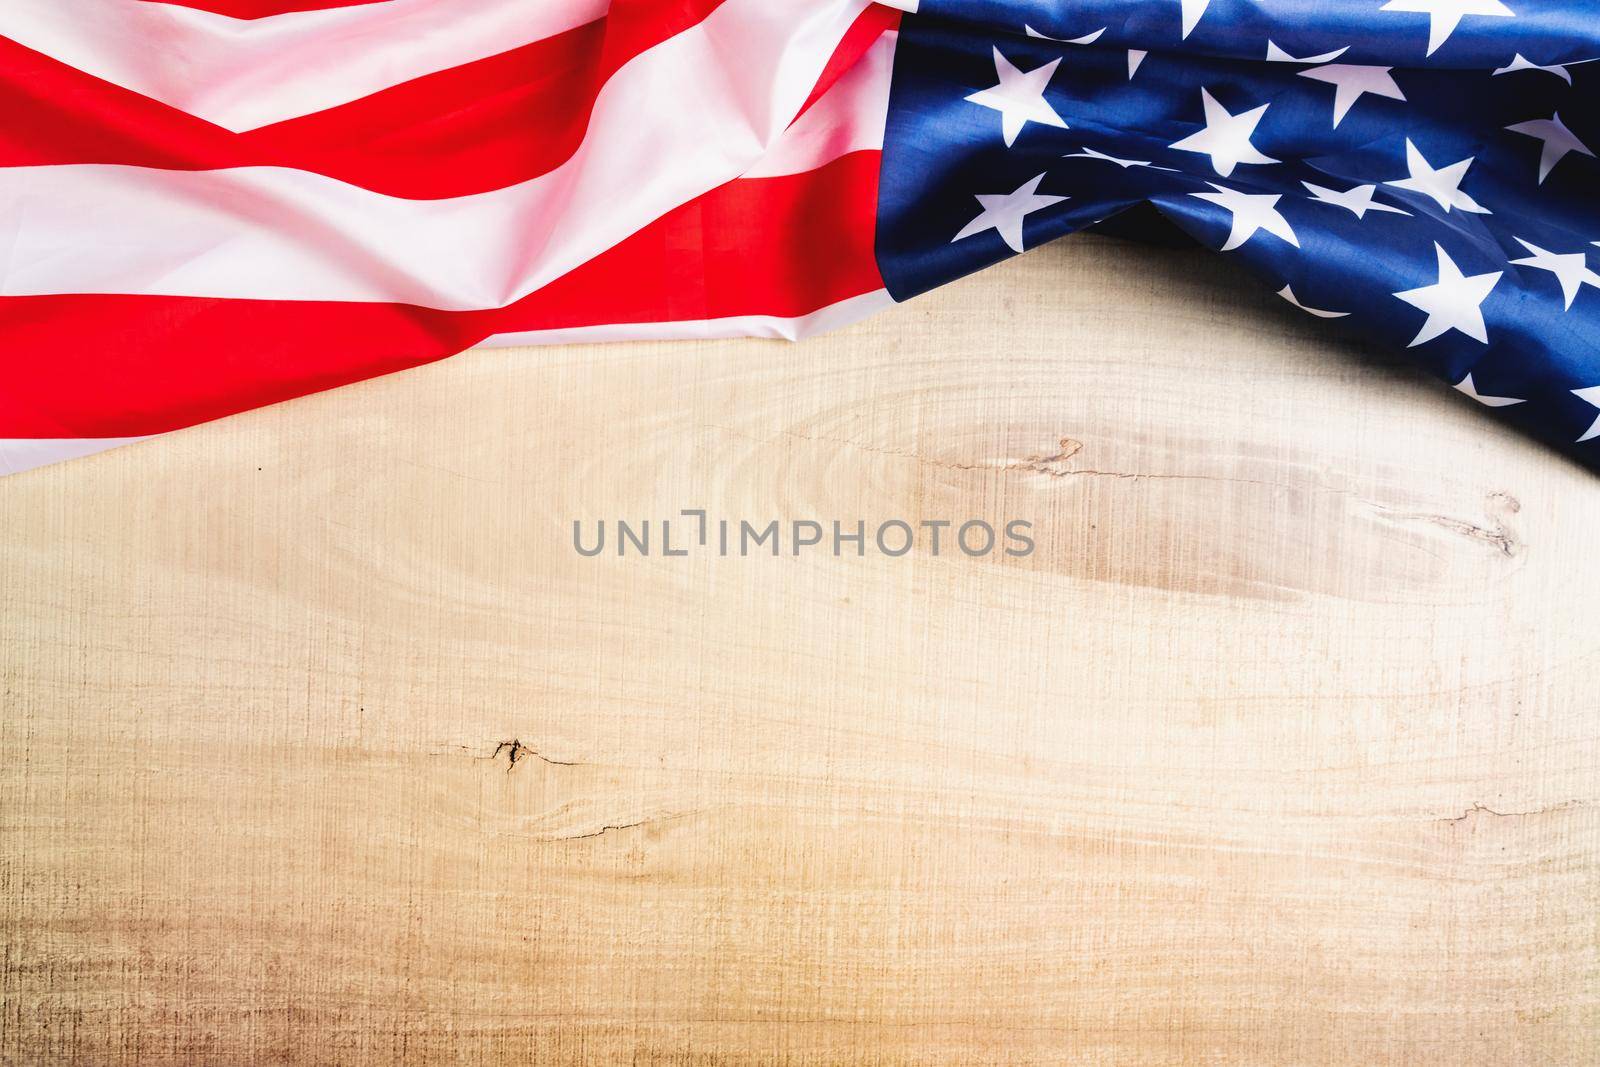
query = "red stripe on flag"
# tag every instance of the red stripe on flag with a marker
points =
(256, 9)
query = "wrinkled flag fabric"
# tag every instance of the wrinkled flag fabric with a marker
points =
(219, 204)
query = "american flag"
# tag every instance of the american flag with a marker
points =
(211, 205)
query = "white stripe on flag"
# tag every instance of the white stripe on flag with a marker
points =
(17, 456)
(832, 317)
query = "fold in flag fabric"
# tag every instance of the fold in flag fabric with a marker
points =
(214, 205)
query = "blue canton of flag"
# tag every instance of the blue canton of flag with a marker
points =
(1421, 173)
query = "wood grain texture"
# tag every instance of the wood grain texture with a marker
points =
(1283, 748)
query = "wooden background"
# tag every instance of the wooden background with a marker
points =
(1283, 748)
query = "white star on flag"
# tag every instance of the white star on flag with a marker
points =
(1089, 153)
(1519, 62)
(1278, 55)
(1570, 268)
(1019, 97)
(1357, 201)
(1442, 185)
(1135, 57)
(1088, 38)
(1004, 212)
(1192, 10)
(1287, 292)
(1465, 385)
(1445, 15)
(1226, 138)
(1251, 212)
(1558, 141)
(1351, 81)
(1590, 395)
(1452, 303)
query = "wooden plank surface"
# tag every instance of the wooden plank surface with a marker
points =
(1282, 748)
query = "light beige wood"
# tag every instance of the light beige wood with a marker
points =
(1283, 748)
